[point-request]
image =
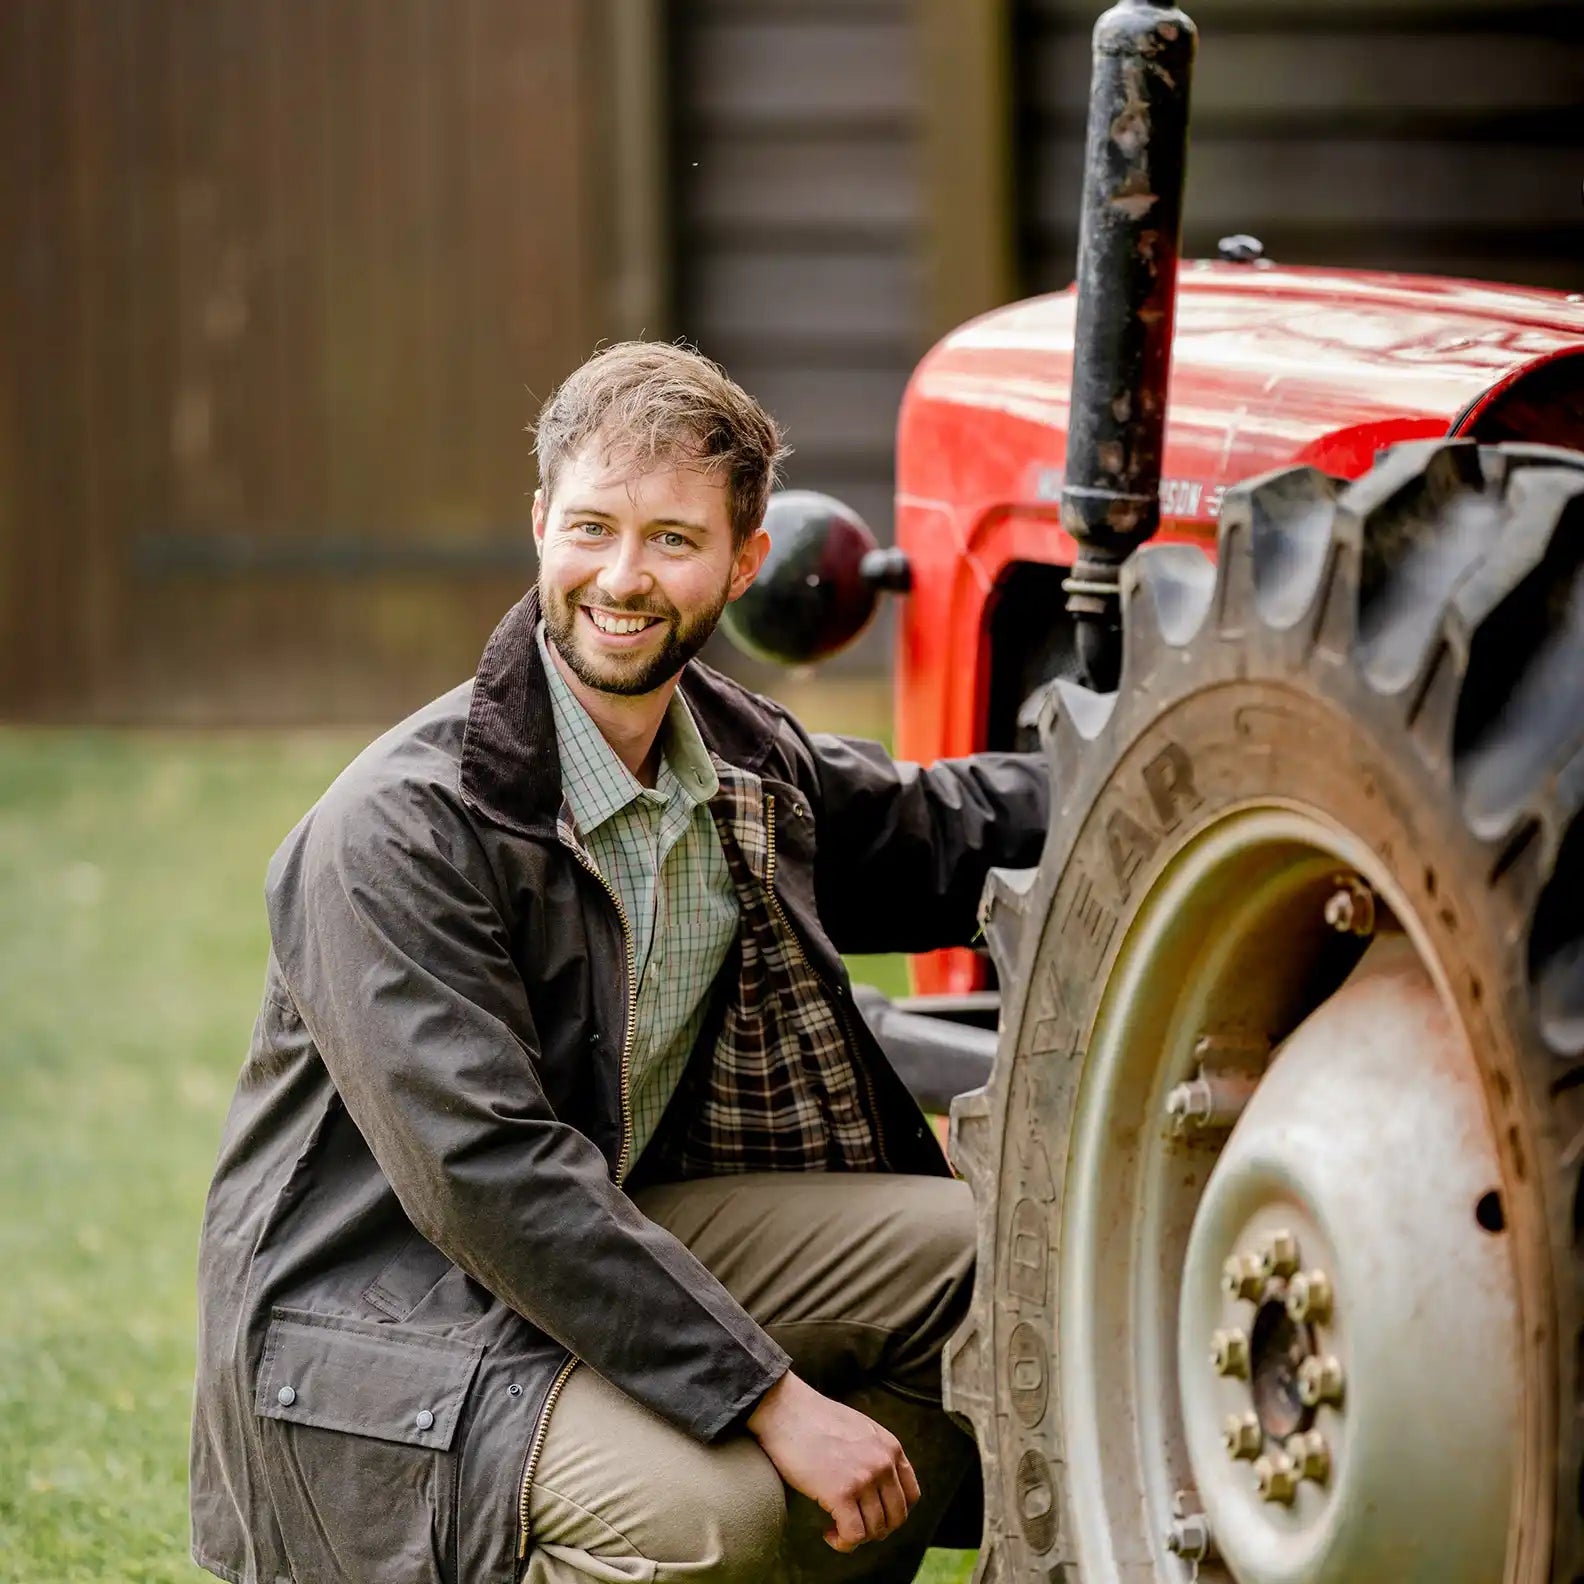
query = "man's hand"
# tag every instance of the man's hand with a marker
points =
(854, 1468)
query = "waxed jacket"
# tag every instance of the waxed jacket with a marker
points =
(414, 1225)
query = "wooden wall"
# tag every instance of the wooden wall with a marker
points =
(283, 279)
(797, 219)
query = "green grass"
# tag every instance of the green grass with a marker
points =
(132, 944)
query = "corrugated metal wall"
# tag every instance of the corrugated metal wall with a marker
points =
(1436, 135)
(279, 277)
(797, 220)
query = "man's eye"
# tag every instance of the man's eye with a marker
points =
(593, 528)
(675, 541)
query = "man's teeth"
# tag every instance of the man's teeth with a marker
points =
(618, 624)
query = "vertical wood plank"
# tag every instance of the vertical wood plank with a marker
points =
(282, 276)
(633, 44)
(967, 153)
(18, 578)
(49, 361)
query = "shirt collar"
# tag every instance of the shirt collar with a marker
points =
(686, 757)
(595, 782)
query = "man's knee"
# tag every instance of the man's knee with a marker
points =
(946, 1228)
(744, 1511)
(941, 1234)
(700, 1515)
(621, 1493)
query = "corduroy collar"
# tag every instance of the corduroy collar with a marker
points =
(510, 765)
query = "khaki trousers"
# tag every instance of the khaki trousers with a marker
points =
(861, 1278)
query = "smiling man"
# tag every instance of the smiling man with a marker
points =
(568, 1223)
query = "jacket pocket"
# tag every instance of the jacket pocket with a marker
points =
(357, 1424)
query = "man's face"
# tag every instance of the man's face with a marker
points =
(635, 568)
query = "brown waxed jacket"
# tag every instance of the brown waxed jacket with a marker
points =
(413, 1225)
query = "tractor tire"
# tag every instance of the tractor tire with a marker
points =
(1278, 1169)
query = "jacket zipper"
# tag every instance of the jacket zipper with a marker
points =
(535, 1449)
(542, 1428)
(839, 1000)
(632, 1012)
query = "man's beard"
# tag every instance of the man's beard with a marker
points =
(625, 676)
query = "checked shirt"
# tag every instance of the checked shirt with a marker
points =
(692, 860)
(658, 848)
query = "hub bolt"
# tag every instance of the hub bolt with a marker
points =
(1243, 1437)
(1319, 1381)
(1190, 1104)
(1229, 1352)
(1276, 1478)
(1189, 1538)
(1243, 1276)
(1280, 1254)
(1309, 1452)
(1212, 1102)
(1309, 1297)
(1350, 909)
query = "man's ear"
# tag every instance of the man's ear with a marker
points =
(745, 568)
(539, 517)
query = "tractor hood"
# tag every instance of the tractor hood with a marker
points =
(1270, 366)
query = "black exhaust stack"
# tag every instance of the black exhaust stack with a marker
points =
(1128, 246)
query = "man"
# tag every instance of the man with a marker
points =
(567, 1218)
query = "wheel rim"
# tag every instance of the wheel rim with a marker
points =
(1152, 1217)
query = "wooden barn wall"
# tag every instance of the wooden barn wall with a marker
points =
(283, 280)
(797, 224)
(1437, 135)
(280, 277)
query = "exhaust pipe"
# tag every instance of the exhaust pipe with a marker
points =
(1129, 242)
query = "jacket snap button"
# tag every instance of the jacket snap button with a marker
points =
(285, 1396)
(514, 1390)
(425, 1419)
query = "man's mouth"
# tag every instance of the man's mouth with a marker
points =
(618, 625)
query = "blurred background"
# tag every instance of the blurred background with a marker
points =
(285, 279)
(282, 282)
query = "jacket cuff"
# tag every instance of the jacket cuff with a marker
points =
(732, 1419)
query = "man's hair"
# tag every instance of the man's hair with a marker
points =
(649, 402)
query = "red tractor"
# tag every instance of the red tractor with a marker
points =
(1278, 1131)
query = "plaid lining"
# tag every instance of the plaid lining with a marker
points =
(782, 1091)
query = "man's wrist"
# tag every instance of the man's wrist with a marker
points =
(765, 1411)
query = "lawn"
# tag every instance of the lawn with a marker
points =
(131, 948)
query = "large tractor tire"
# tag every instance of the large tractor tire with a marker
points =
(1278, 1171)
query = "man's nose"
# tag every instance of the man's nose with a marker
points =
(626, 576)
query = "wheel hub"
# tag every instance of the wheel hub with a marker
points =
(1367, 1394)
(1279, 1346)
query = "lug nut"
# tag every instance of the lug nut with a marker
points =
(1309, 1297)
(1276, 1478)
(1350, 909)
(1189, 1538)
(1242, 1436)
(1229, 1352)
(1319, 1381)
(1213, 1101)
(1310, 1455)
(1243, 1276)
(1279, 1257)
(1189, 1104)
